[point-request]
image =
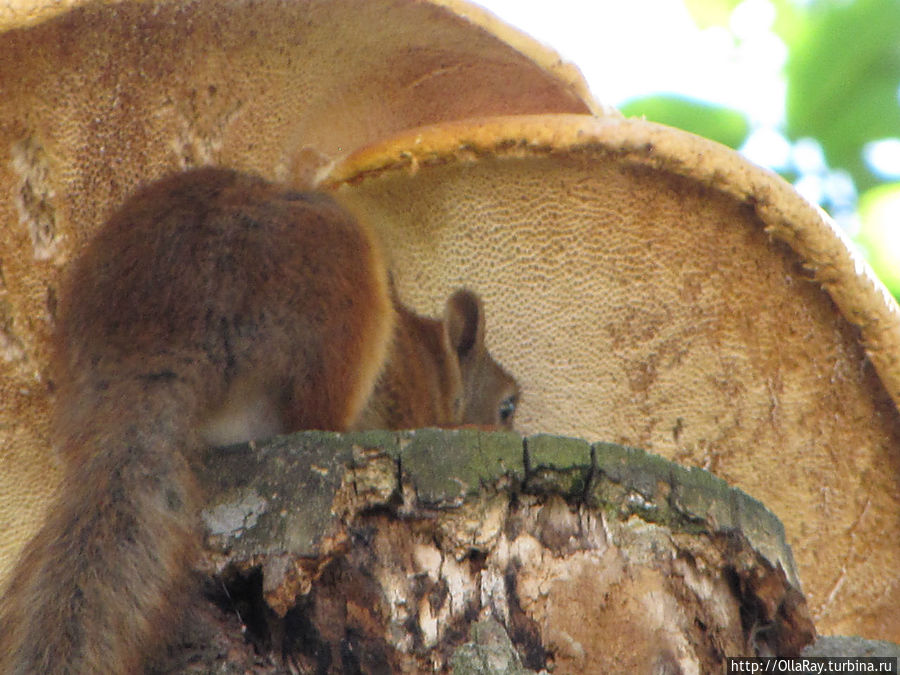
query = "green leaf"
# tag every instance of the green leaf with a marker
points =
(791, 21)
(843, 77)
(789, 18)
(879, 235)
(721, 124)
(707, 13)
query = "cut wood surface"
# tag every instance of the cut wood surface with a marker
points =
(469, 552)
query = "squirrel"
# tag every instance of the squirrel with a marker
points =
(212, 307)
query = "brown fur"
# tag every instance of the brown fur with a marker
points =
(212, 307)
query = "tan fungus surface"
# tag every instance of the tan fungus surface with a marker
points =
(652, 288)
(647, 287)
(105, 96)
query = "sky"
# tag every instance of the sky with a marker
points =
(639, 47)
(632, 48)
(628, 49)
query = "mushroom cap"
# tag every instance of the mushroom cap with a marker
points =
(653, 288)
(99, 97)
(646, 286)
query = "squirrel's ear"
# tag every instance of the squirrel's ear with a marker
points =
(464, 323)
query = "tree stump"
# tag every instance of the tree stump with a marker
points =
(471, 552)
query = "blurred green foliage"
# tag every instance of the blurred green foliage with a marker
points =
(842, 89)
(843, 77)
(724, 125)
(879, 236)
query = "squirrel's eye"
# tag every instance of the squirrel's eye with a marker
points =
(507, 410)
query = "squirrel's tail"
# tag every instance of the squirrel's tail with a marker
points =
(105, 577)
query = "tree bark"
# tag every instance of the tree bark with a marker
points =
(468, 552)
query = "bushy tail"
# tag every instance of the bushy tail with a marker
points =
(104, 578)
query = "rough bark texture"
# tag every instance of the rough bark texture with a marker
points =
(466, 552)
